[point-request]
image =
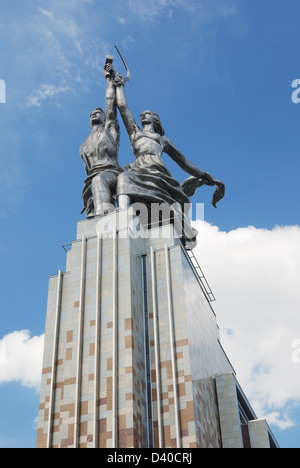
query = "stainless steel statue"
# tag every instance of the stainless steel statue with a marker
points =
(147, 180)
(100, 153)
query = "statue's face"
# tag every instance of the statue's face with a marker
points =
(146, 117)
(97, 117)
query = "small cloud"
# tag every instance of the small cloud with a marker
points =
(47, 13)
(122, 20)
(21, 358)
(283, 421)
(35, 423)
(45, 91)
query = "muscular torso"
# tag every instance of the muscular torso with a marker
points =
(101, 148)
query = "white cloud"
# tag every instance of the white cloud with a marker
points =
(21, 358)
(64, 51)
(255, 276)
(45, 91)
(47, 13)
(65, 27)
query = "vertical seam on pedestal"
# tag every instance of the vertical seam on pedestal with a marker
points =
(172, 341)
(115, 342)
(79, 340)
(97, 343)
(54, 357)
(156, 348)
(148, 396)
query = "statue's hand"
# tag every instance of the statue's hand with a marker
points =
(190, 185)
(109, 71)
(208, 179)
(219, 192)
(119, 80)
(220, 188)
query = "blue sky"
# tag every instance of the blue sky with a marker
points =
(219, 73)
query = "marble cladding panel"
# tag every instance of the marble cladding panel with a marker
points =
(64, 408)
(47, 365)
(206, 414)
(229, 411)
(88, 348)
(106, 347)
(182, 378)
(207, 356)
(259, 434)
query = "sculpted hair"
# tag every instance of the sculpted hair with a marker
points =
(158, 128)
(157, 124)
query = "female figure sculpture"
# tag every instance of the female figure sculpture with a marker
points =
(147, 179)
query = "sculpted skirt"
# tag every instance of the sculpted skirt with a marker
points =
(147, 181)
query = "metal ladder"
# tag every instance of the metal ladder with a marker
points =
(203, 281)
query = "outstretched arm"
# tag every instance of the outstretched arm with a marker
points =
(126, 114)
(198, 178)
(185, 164)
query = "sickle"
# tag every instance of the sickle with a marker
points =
(127, 69)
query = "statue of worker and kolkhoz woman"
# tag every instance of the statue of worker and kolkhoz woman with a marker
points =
(147, 180)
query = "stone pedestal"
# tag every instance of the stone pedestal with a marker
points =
(132, 354)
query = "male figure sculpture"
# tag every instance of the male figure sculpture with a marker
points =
(99, 153)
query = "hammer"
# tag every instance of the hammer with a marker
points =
(108, 61)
